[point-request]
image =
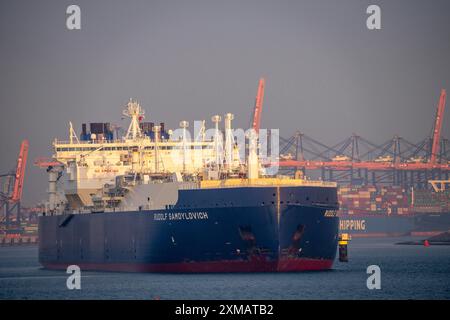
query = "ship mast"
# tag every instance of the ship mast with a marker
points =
(184, 125)
(217, 141)
(136, 113)
(229, 141)
(156, 130)
(72, 134)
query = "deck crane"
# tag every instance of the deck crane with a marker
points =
(54, 169)
(437, 128)
(10, 199)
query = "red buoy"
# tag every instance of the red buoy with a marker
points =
(426, 243)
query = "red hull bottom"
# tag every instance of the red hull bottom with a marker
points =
(288, 265)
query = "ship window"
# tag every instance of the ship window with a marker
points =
(273, 194)
(307, 198)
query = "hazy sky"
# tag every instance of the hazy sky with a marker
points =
(326, 73)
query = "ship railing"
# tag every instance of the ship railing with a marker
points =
(189, 186)
(265, 182)
(105, 141)
(89, 141)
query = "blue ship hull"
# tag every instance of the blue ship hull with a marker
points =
(248, 229)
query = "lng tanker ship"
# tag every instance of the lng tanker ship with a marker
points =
(153, 202)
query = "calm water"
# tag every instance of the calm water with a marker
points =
(407, 272)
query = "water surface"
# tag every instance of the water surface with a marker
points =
(407, 272)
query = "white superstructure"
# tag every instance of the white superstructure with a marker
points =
(93, 163)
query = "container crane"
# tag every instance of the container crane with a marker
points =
(10, 201)
(253, 161)
(20, 171)
(437, 128)
(399, 161)
(256, 124)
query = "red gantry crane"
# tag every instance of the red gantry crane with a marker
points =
(437, 128)
(258, 106)
(398, 162)
(10, 199)
(20, 171)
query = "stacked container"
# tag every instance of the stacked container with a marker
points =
(373, 200)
